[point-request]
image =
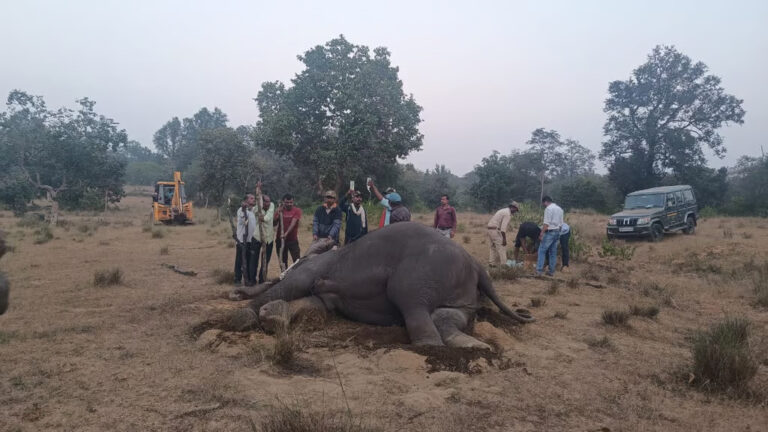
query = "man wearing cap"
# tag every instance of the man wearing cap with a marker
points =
(326, 224)
(393, 203)
(497, 234)
(357, 223)
(550, 235)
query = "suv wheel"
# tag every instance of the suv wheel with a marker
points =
(657, 232)
(690, 226)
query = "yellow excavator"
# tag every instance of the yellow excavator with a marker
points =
(169, 202)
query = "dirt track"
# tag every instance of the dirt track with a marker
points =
(133, 357)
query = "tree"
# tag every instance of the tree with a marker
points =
(71, 156)
(226, 164)
(435, 184)
(168, 142)
(577, 160)
(344, 117)
(748, 187)
(494, 176)
(545, 146)
(178, 140)
(664, 114)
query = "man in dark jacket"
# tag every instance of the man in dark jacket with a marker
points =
(326, 224)
(357, 223)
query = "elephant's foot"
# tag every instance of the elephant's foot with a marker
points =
(275, 316)
(463, 340)
(243, 319)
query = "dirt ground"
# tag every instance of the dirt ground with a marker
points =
(144, 354)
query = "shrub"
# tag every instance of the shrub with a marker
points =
(611, 249)
(506, 273)
(561, 314)
(164, 250)
(644, 311)
(554, 287)
(578, 247)
(760, 285)
(158, 232)
(538, 301)
(466, 239)
(31, 220)
(43, 234)
(603, 343)
(728, 233)
(287, 419)
(109, 277)
(223, 277)
(616, 317)
(722, 358)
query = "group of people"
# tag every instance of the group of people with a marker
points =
(260, 230)
(552, 233)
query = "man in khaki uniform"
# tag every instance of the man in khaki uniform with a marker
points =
(497, 234)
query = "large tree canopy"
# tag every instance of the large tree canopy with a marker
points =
(71, 156)
(345, 115)
(660, 119)
(179, 140)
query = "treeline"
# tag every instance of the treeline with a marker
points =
(346, 117)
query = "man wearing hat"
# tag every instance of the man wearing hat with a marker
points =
(395, 211)
(326, 224)
(357, 223)
(497, 234)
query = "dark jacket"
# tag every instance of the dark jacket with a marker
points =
(354, 228)
(327, 224)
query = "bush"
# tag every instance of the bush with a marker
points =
(616, 317)
(722, 358)
(43, 234)
(538, 301)
(223, 277)
(644, 311)
(109, 277)
(506, 273)
(165, 250)
(157, 232)
(287, 419)
(578, 247)
(611, 249)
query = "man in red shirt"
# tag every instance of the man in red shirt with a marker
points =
(445, 218)
(288, 238)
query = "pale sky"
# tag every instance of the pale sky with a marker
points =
(486, 73)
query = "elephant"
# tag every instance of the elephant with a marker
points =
(403, 274)
(4, 285)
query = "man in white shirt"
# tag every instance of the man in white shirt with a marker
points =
(246, 224)
(497, 234)
(550, 235)
(266, 225)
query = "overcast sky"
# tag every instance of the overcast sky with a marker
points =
(486, 73)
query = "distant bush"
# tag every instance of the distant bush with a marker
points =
(616, 317)
(612, 249)
(109, 277)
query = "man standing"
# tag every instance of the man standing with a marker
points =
(268, 209)
(497, 234)
(550, 235)
(527, 230)
(445, 218)
(395, 210)
(357, 221)
(246, 225)
(288, 228)
(326, 224)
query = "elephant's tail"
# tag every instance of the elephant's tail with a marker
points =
(486, 287)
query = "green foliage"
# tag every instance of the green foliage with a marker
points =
(610, 248)
(661, 117)
(578, 248)
(65, 154)
(748, 192)
(722, 358)
(179, 140)
(344, 117)
(583, 193)
(226, 164)
(146, 173)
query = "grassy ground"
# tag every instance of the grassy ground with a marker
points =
(101, 336)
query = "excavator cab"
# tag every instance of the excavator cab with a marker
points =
(169, 202)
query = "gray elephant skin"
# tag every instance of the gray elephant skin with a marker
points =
(405, 273)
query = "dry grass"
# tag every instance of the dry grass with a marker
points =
(554, 287)
(722, 358)
(615, 317)
(103, 348)
(644, 311)
(102, 278)
(223, 277)
(290, 419)
(538, 301)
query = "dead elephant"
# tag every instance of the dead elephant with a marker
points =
(405, 273)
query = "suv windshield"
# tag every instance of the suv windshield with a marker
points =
(644, 201)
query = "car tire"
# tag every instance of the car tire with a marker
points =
(657, 232)
(690, 226)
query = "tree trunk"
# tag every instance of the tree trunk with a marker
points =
(541, 197)
(54, 218)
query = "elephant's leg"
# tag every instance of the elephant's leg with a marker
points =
(249, 292)
(421, 329)
(277, 315)
(451, 323)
